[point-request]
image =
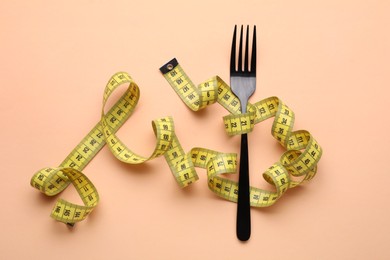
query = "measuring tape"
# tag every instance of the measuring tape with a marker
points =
(300, 159)
(302, 150)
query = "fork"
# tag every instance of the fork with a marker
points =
(243, 84)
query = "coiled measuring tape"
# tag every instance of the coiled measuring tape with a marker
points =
(301, 158)
(297, 165)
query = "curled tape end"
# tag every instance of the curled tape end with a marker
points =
(70, 225)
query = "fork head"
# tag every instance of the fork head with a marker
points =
(237, 68)
(243, 77)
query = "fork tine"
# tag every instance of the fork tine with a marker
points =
(233, 53)
(253, 58)
(240, 52)
(246, 61)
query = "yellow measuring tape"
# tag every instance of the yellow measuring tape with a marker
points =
(300, 159)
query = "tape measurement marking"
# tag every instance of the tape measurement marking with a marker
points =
(300, 159)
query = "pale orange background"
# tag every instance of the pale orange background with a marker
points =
(328, 60)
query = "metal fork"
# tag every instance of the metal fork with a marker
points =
(243, 84)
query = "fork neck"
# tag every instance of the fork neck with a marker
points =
(244, 104)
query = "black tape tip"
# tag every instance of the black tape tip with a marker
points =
(170, 65)
(70, 224)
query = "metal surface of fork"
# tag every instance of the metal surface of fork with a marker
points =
(243, 84)
(243, 78)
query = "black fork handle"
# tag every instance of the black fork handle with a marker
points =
(243, 204)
